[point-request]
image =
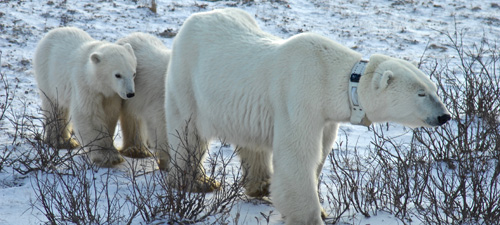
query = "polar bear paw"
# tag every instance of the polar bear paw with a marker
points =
(106, 158)
(323, 213)
(258, 189)
(199, 185)
(205, 184)
(136, 152)
(69, 143)
(60, 143)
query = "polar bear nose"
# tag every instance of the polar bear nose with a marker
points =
(443, 119)
(130, 95)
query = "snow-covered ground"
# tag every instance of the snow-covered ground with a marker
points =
(409, 29)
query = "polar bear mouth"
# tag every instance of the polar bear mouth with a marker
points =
(438, 121)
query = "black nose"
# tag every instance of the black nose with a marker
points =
(130, 95)
(443, 119)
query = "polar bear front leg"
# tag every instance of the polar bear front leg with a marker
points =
(95, 133)
(56, 125)
(257, 170)
(134, 139)
(296, 155)
(329, 137)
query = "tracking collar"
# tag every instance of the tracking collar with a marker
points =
(358, 115)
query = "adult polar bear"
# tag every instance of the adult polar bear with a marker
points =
(229, 79)
(83, 79)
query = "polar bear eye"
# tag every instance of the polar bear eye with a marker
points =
(421, 93)
(118, 75)
(134, 75)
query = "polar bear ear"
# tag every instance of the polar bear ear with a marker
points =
(129, 48)
(415, 63)
(96, 57)
(381, 81)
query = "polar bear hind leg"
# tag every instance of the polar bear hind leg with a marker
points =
(257, 171)
(157, 137)
(187, 153)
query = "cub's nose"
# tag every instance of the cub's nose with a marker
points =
(443, 119)
(130, 95)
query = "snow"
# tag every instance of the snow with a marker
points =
(399, 28)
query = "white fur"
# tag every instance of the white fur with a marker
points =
(394, 93)
(233, 81)
(77, 78)
(143, 117)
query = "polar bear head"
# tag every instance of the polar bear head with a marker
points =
(396, 90)
(114, 68)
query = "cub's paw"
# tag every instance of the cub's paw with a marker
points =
(70, 143)
(257, 189)
(136, 152)
(106, 158)
(163, 164)
(203, 184)
(60, 143)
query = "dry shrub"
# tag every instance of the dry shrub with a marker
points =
(463, 186)
(444, 175)
(182, 206)
(79, 192)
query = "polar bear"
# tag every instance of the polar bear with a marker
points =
(142, 118)
(82, 82)
(281, 101)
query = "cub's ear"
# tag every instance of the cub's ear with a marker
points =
(96, 57)
(129, 48)
(381, 81)
(415, 63)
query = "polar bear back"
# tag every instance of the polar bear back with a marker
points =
(265, 75)
(54, 54)
(205, 50)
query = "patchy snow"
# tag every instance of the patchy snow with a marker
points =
(399, 28)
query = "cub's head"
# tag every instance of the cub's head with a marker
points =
(114, 67)
(396, 90)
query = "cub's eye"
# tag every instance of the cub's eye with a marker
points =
(118, 75)
(421, 93)
(134, 75)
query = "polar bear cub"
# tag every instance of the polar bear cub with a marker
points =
(229, 79)
(81, 83)
(142, 118)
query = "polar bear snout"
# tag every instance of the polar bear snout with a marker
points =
(438, 120)
(125, 87)
(127, 93)
(443, 119)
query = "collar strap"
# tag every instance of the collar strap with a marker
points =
(358, 116)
